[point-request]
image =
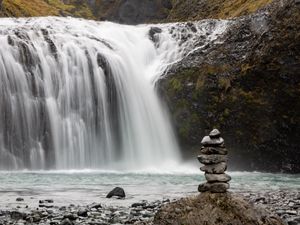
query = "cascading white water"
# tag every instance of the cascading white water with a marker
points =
(80, 94)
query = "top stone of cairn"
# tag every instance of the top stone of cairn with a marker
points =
(214, 139)
(215, 133)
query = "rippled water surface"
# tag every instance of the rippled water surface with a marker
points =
(84, 187)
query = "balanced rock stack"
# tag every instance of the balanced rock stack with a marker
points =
(213, 155)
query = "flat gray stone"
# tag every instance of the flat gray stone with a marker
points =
(215, 133)
(212, 159)
(212, 178)
(215, 168)
(207, 141)
(213, 187)
(214, 150)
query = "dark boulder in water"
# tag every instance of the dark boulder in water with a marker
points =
(214, 209)
(116, 192)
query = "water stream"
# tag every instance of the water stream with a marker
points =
(78, 94)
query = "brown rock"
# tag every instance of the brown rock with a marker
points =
(217, 177)
(214, 209)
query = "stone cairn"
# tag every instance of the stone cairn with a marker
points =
(213, 155)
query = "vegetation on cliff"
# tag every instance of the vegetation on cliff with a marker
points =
(217, 9)
(24, 8)
(133, 11)
(249, 87)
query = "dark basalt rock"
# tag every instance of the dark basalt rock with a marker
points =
(49, 200)
(16, 215)
(152, 33)
(214, 187)
(212, 159)
(214, 150)
(116, 192)
(82, 212)
(66, 222)
(71, 216)
(215, 168)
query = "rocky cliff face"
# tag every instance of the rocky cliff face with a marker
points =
(247, 85)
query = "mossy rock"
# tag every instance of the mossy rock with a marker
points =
(251, 93)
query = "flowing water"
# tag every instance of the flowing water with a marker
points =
(86, 187)
(81, 94)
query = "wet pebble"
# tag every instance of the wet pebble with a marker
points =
(284, 204)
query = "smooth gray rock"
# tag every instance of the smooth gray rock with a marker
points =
(211, 178)
(49, 200)
(95, 206)
(66, 222)
(82, 212)
(16, 215)
(70, 216)
(215, 133)
(208, 141)
(215, 168)
(212, 159)
(213, 187)
(214, 150)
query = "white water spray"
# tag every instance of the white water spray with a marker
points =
(80, 94)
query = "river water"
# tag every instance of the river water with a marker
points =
(87, 186)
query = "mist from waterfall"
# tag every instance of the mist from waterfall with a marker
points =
(79, 94)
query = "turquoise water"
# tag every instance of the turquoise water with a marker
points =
(85, 187)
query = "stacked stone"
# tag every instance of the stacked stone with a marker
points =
(213, 155)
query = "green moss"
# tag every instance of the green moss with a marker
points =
(175, 84)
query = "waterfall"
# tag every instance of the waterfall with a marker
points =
(81, 94)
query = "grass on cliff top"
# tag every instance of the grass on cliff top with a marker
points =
(218, 9)
(25, 8)
(241, 7)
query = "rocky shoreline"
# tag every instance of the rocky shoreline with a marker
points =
(284, 203)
